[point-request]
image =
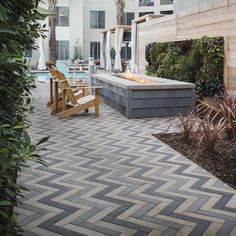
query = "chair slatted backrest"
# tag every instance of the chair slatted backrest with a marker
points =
(63, 68)
(53, 73)
(65, 85)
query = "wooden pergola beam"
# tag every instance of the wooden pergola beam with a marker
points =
(127, 28)
(146, 18)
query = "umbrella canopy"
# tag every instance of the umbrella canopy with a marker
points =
(134, 67)
(108, 51)
(42, 64)
(102, 51)
(118, 44)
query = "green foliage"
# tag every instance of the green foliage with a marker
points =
(210, 77)
(19, 28)
(198, 61)
(113, 53)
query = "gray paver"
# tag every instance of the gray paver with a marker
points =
(95, 163)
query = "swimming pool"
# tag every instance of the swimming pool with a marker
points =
(45, 76)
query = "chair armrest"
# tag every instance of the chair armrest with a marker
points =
(89, 87)
(60, 81)
(84, 87)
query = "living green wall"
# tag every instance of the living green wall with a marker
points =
(199, 61)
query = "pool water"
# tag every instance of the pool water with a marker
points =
(46, 76)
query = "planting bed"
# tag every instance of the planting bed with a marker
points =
(222, 163)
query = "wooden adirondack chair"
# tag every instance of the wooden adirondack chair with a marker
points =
(72, 104)
(56, 91)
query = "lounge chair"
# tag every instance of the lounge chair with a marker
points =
(72, 104)
(56, 92)
(64, 69)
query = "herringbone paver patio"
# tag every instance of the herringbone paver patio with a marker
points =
(110, 176)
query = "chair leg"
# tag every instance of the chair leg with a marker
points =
(64, 100)
(56, 97)
(51, 93)
(96, 106)
(96, 110)
(97, 101)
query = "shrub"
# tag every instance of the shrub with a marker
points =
(19, 29)
(208, 133)
(113, 53)
(198, 61)
(223, 107)
(188, 125)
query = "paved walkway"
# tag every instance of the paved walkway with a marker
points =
(110, 176)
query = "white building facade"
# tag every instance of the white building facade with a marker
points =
(80, 22)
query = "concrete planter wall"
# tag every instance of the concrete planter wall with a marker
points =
(164, 98)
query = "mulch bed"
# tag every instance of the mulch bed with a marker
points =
(221, 164)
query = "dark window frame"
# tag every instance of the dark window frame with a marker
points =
(128, 18)
(63, 21)
(166, 12)
(146, 3)
(95, 54)
(126, 51)
(145, 13)
(166, 2)
(60, 55)
(99, 21)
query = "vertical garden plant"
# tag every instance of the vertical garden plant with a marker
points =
(199, 61)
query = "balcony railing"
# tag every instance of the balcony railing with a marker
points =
(146, 3)
(166, 2)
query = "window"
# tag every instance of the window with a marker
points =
(166, 12)
(28, 53)
(166, 2)
(95, 50)
(126, 51)
(62, 16)
(146, 3)
(63, 50)
(146, 13)
(127, 36)
(128, 17)
(97, 19)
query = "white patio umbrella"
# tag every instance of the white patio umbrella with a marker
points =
(108, 51)
(119, 32)
(134, 67)
(42, 64)
(102, 51)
